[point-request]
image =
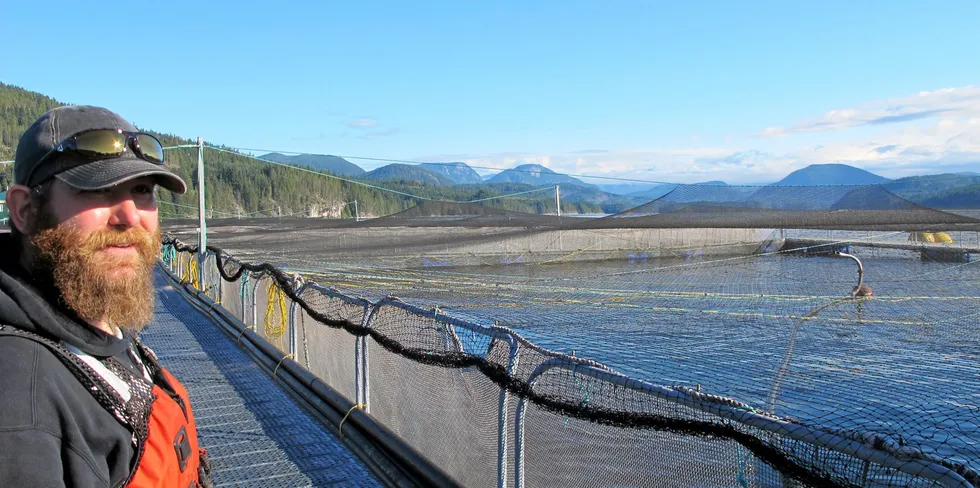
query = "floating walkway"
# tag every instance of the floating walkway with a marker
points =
(927, 250)
(256, 434)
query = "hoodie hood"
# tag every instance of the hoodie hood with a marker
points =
(34, 307)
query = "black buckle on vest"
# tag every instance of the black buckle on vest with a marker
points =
(182, 446)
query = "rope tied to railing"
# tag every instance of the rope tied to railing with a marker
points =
(276, 370)
(340, 427)
(191, 273)
(276, 324)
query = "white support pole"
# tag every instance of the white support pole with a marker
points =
(557, 200)
(357, 216)
(202, 231)
(561, 245)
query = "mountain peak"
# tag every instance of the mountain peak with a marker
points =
(409, 172)
(333, 164)
(537, 175)
(460, 173)
(830, 174)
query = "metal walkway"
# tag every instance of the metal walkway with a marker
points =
(256, 434)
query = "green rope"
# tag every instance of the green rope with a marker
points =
(169, 255)
(244, 288)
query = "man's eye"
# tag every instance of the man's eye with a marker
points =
(143, 189)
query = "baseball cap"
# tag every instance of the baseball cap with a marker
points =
(60, 123)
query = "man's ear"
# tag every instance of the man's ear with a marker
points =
(19, 206)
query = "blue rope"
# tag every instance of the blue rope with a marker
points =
(741, 467)
(169, 254)
(582, 389)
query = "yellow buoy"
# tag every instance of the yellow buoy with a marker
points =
(922, 237)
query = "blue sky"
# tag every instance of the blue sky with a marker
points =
(734, 91)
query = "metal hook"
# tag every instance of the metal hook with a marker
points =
(861, 290)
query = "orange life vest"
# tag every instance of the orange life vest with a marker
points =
(171, 456)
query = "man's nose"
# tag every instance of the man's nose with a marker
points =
(124, 214)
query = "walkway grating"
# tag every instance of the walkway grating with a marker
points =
(256, 434)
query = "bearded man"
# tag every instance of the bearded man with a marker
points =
(82, 402)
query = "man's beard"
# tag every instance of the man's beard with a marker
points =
(114, 290)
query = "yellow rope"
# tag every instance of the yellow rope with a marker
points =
(184, 277)
(191, 274)
(341, 426)
(275, 327)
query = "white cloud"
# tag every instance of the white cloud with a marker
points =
(649, 165)
(946, 138)
(945, 103)
(369, 127)
(948, 145)
(362, 123)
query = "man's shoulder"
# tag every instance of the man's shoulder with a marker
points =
(19, 350)
(50, 422)
(31, 371)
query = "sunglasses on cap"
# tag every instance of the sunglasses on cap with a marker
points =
(99, 144)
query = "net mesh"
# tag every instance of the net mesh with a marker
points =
(712, 337)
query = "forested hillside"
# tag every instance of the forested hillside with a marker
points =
(237, 185)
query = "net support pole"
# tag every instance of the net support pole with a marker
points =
(503, 411)
(362, 363)
(557, 201)
(241, 296)
(561, 246)
(202, 230)
(298, 287)
(255, 306)
(219, 280)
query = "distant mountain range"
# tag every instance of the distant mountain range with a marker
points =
(941, 190)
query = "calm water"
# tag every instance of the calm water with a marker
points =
(905, 363)
(777, 331)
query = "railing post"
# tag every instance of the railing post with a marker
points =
(255, 308)
(503, 410)
(298, 287)
(362, 365)
(221, 280)
(242, 297)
